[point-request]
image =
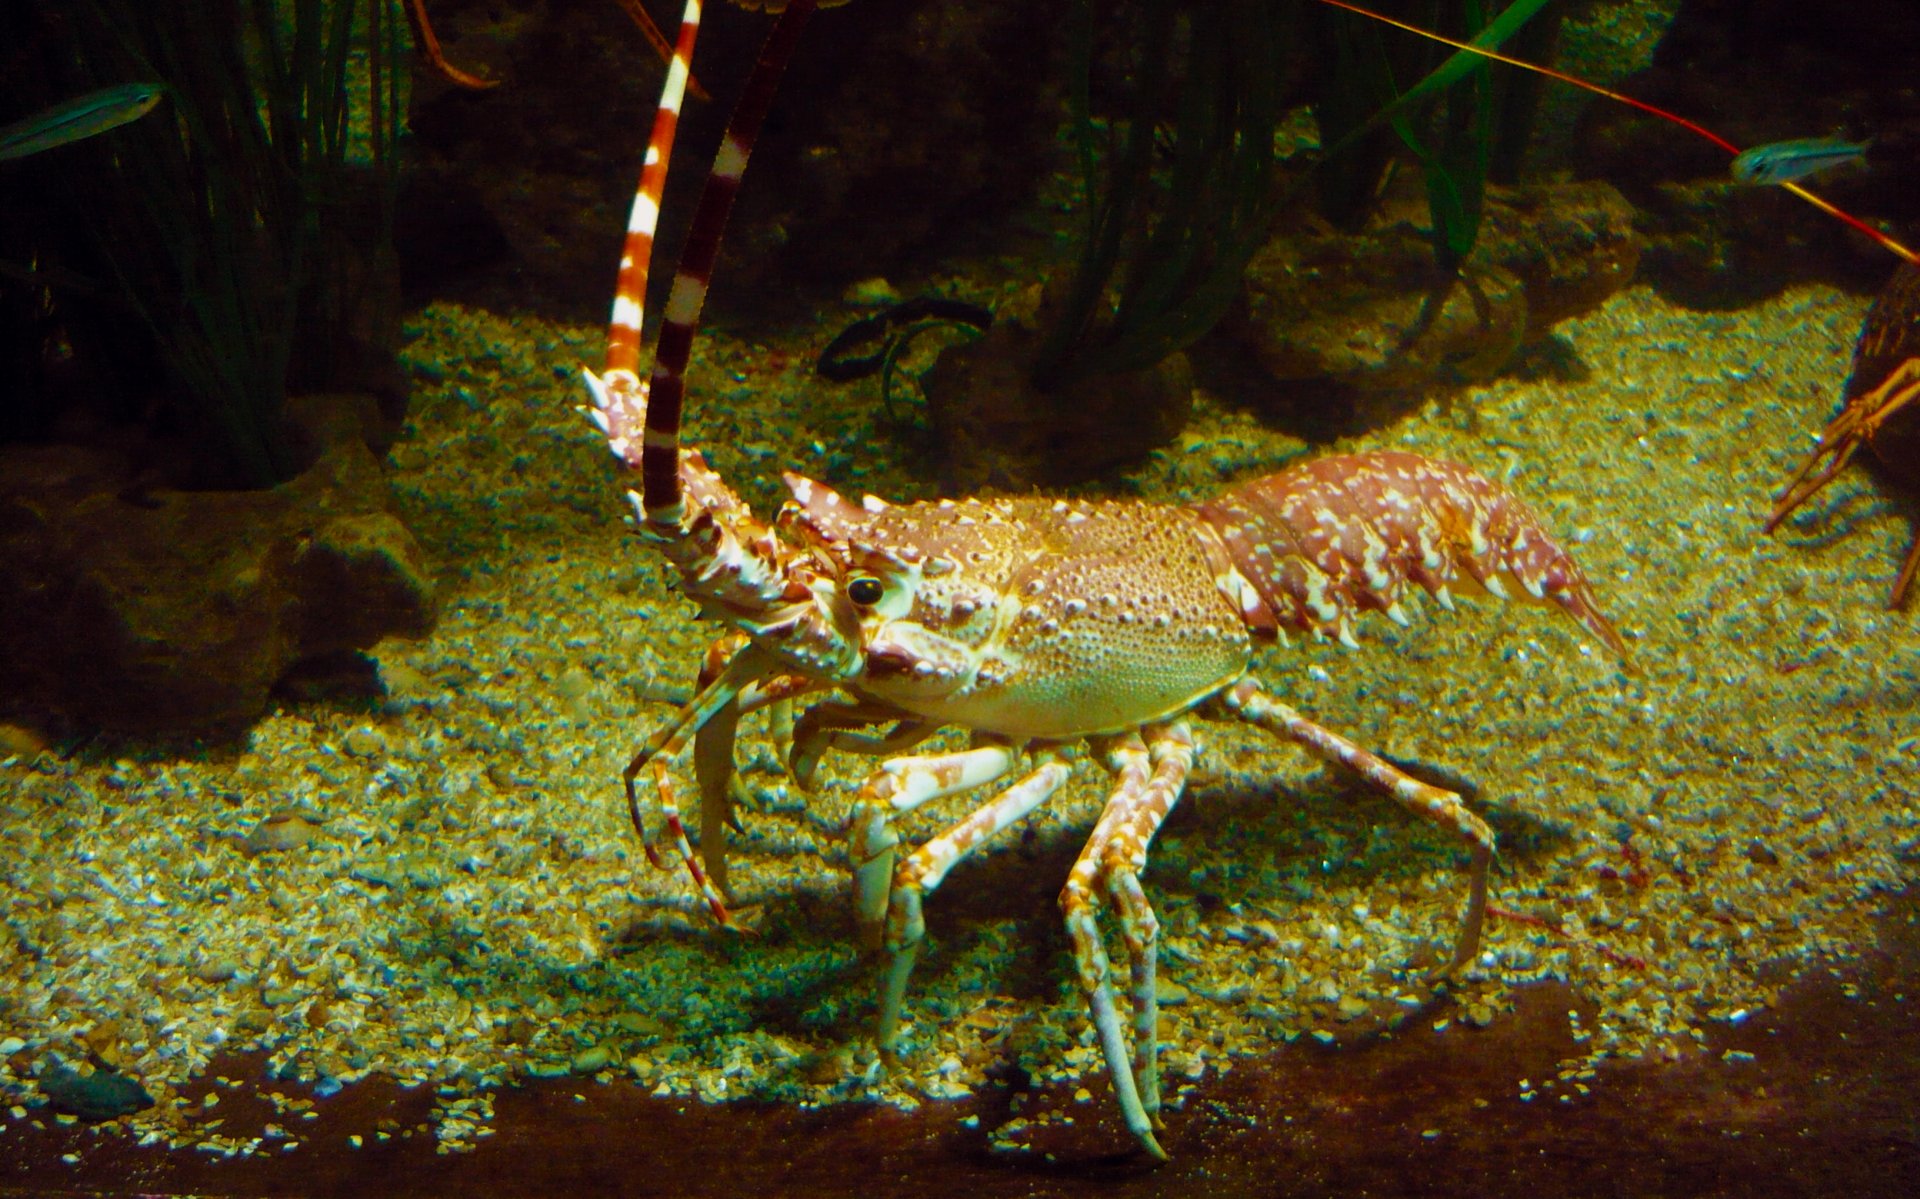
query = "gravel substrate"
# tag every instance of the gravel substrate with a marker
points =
(444, 888)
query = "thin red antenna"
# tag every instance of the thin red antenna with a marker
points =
(1832, 211)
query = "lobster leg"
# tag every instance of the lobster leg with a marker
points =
(721, 791)
(830, 725)
(888, 897)
(1856, 425)
(719, 697)
(1149, 780)
(1245, 701)
(1908, 569)
(714, 775)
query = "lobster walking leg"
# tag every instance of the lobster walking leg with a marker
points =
(901, 786)
(1846, 433)
(748, 667)
(1150, 775)
(924, 869)
(1245, 701)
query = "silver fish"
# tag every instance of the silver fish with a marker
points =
(82, 117)
(1784, 162)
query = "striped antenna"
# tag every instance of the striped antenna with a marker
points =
(619, 397)
(661, 494)
(630, 292)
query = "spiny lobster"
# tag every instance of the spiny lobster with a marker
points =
(1034, 623)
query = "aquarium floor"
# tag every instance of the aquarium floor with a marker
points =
(438, 888)
(1824, 1105)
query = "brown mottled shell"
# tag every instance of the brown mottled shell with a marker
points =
(1087, 617)
(1889, 337)
(1108, 613)
(1325, 541)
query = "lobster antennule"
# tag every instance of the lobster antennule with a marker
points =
(660, 491)
(1325, 541)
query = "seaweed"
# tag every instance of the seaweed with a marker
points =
(1186, 233)
(1163, 246)
(1462, 124)
(196, 266)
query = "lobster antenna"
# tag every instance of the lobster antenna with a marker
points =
(619, 396)
(1830, 209)
(630, 292)
(662, 500)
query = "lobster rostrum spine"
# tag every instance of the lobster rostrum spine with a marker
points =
(1035, 623)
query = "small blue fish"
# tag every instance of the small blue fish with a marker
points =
(1784, 162)
(83, 117)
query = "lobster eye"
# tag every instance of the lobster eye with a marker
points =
(865, 590)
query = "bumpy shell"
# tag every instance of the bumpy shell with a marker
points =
(1323, 542)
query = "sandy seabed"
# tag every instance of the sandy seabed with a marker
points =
(461, 900)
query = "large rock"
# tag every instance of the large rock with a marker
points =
(167, 612)
(1368, 312)
(994, 428)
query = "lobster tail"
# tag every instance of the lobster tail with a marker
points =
(1324, 541)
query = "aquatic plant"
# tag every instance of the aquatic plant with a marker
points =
(200, 262)
(1186, 232)
(1464, 126)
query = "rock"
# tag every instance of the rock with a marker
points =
(994, 428)
(1367, 311)
(364, 741)
(587, 1061)
(176, 612)
(101, 1095)
(19, 741)
(280, 832)
(216, 970)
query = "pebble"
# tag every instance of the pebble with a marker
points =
(20, 741)
(588, 1061)
(101, 1095)
(870, 293)
(280, 832)
(574, 688)
(216, 970)
(402, 680)
(573, 684)
(365, 741)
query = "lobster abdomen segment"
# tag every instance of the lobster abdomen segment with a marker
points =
(1326, 540)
